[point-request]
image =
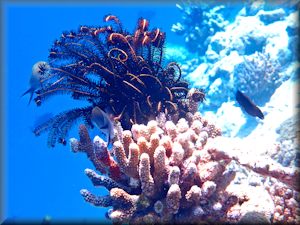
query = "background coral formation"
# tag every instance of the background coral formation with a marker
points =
(255, 52)
(259, 76)
(199, 23)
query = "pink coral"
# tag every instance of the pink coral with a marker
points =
(180, 171)
(165, 165)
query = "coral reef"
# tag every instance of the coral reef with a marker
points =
(166, 172)
(200, 22)
(286, 203)
(260, 38)
(118, 71)
(169, 163)
(281, 124)
(247, 40)
(266, 183)
(288, 139)
(188, 62)
(258, 76)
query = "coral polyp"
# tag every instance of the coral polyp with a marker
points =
(118, 71)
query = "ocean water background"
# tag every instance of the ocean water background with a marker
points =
(42, 181)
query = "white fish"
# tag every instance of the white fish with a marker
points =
(38, 73)
(103, 122)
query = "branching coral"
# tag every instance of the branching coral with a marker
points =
(166, 172)
(258, 76)
(164, 169)
(112, 68)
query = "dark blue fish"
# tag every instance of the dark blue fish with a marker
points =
(248, 105)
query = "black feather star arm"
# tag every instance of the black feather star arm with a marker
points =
(59, 125)
(112, 68)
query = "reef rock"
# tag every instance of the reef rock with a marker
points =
(255, 54)
(232, 52)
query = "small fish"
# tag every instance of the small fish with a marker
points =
(38, 72)
(248, 105)
(103, 122)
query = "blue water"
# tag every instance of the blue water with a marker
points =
(40, 181)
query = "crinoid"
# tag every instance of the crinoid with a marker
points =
(110, 67)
